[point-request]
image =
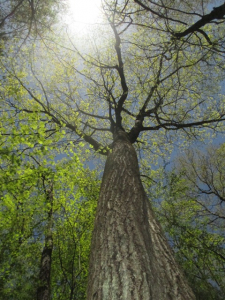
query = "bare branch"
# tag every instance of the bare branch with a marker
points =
(216, 13)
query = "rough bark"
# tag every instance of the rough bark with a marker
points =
(130, 257)
(44, 291)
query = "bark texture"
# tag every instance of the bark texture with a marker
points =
(130, 257)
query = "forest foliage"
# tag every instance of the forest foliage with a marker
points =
(148, 70)
(31, 163)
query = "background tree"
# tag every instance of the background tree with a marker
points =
(192, 213)
(28, 18)
(42, 235)
(132, 80)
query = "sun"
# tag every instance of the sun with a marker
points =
(83, 14)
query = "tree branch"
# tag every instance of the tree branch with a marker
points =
(216, 13)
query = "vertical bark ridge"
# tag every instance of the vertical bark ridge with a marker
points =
(130, 257)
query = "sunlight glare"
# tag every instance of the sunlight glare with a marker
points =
(83, 14)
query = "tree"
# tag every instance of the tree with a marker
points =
(192, 213)
(145, 78)
(43, 290)
(24, 18)
(45, 236)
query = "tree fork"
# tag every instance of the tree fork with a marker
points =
(130, 256)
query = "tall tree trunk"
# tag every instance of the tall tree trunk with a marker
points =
(130, 257)
(43, 291)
